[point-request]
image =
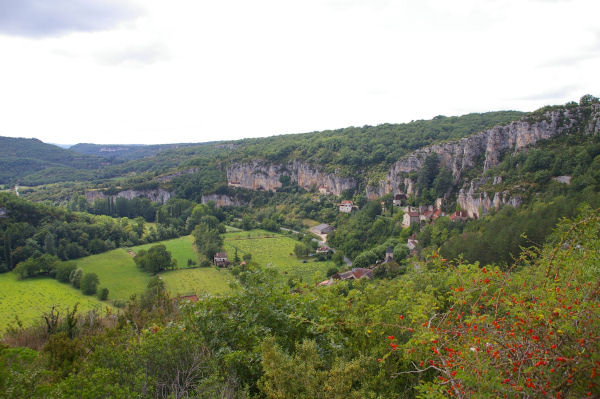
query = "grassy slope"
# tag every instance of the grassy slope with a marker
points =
(30, 298)
(117, 271)
(276, 250)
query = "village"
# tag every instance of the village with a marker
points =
(412, 215)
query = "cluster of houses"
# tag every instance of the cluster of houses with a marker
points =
(358, 272)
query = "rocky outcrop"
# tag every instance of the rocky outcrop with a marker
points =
(261, 175)
(221, 200)
(478, 204)
(488, 147)
(159, 195)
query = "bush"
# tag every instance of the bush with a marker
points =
(118, 303)
(63, 271)
(75, 277)
(103, 294)
(89, 283)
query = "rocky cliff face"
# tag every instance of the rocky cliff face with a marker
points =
(221, 200)
(260, 175)
(161, 196)
(477, 203)
(486, 148)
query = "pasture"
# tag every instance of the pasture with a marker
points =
(181, 249)
(30, 298)
(276, 250)
(117, 271)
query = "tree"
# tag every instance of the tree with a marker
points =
(103, 294)
(89, 283)
(75, 277)
(155, 260)
(207, 240)
(62, 272)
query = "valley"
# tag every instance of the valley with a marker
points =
(456, 242)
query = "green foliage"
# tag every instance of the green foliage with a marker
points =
(75, 277)
(103, 294)
(89, 283)
(207, 239)
(155, 260)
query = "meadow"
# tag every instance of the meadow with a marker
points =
(181, 249)
(29, 299)
(275, 250)
(117, 272)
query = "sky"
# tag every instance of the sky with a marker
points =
(154, 71)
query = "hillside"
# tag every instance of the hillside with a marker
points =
(124, 152)
(21, 159)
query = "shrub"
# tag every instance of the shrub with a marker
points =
(75, 277)
(103, 294)
(63, 271)
(89, 283)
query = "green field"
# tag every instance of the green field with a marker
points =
(181, 249)
(30, 298)
(276, 250)
(117, 271)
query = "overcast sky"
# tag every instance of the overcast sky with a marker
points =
(125, 71)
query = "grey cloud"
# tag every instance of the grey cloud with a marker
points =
(134, 55)
(42, 18)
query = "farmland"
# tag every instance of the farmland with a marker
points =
(117, 271)
(29, 299)
(181, 249)
(276, 250)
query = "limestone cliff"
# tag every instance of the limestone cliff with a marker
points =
(477, 203)
(261, 175)
(159, 195)
(486, 149)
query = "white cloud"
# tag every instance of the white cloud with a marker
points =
(199, 71)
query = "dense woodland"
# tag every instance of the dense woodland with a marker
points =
(505, 305)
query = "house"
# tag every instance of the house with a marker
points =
(436, 214)
(459, 215)
(411, 243)
(323, 190)
(235, 184)
(220, 259)
(398, 198)
(410, 218)
(321, 229)
(354, 274)
(323, 250)
(346, 206)
(389, 254)
(426, 216)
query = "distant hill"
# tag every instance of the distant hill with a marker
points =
(20, 158)
(124, 152)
